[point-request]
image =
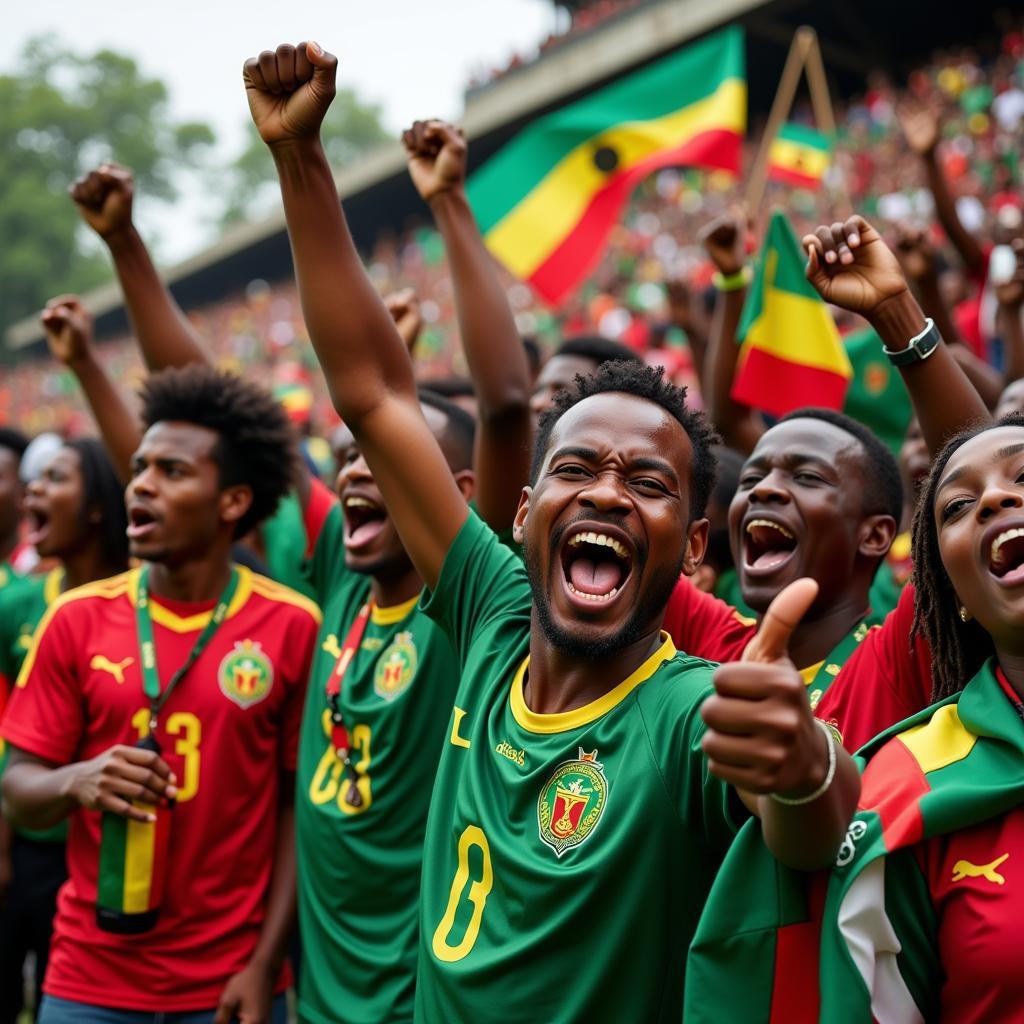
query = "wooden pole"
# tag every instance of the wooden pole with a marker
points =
(781, 106)
(821, 102)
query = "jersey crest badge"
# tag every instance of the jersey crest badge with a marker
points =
(396, 667)
(246, 674)
(572, 802)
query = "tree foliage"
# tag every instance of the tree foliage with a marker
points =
(351, 128)
(62, 113)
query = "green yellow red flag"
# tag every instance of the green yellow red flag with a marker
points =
(791, 356)
(547, 201)
(799, 156)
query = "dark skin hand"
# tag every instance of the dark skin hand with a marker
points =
(1010, 296)
(762, 739)
(922, 130)
(38, 794)
(104, 199)
(69, 332)
(851, 267)
(740, 426)
(436, 152)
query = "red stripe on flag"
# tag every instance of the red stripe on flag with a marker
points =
(161, 842)
(581, 249)
(778, 386)
(892, 787)
(796, 993)
(787, 177)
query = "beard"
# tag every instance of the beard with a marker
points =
(582, 644)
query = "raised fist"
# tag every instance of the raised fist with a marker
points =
(725, 241)
(404, 308)
(920, 126)
(850, 266)
(104, 199)
(68, 327)
(289, 90)
(915, 253)
(436, 152)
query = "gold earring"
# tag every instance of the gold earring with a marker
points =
(964, 615)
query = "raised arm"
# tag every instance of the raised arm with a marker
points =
(740, 426)
(68, 328)
(921, 129)
(851, 267)
(918, 260)
(104, 199)
(494, 352)
(1010, 296)
(364, 359)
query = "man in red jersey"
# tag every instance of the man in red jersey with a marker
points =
(210, 661)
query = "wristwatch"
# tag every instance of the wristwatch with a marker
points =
(919, 348)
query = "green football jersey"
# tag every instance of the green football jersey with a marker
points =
(567, 856)
(23, 602)
(359, 859)
(284, 545)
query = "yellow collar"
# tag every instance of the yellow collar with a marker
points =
(393, 613)
(562, 721)
(191, 623)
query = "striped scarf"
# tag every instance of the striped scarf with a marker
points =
(953, 765)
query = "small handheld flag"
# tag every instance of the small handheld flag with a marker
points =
(791, 356)
(799, 156)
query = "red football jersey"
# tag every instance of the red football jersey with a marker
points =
(228, 731)
(886, 678)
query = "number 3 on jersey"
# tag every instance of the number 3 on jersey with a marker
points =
(472, 838)
(188, 732)
(329, 781)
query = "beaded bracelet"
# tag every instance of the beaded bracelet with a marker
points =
(733, 282)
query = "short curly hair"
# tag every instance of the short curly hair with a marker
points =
(633, 377)
(257, 443)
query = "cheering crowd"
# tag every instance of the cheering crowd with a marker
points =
(541, 704)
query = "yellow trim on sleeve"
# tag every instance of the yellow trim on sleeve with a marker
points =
(395, 613)
(811, 672)
(562, 721)
(274, 591)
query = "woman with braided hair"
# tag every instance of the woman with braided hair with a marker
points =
(920, 918)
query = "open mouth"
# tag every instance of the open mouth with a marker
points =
(767, 545)
(364, 520)
(595, 566)
(1006, 556)
(38, 526)
(140, 522)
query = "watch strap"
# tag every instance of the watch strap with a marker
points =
(919, 348)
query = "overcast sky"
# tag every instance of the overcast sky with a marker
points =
(413, 57)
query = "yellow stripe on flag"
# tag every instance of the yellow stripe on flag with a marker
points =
(525, 236)
(788, 322)
(791, 156)
(941, 741)
(140, 843)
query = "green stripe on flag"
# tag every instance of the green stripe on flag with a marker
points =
(674, 82)
(110, 875)
(801, 135)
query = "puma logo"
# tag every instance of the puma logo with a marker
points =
(101, 663)
(330, 645)
(965, 869)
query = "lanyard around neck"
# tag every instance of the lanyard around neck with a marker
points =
(147, 647)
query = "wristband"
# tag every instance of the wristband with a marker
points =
(829, 775)
(918, 349)
(733, 282)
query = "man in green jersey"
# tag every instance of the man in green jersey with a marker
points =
(12, 446)
(581, 803)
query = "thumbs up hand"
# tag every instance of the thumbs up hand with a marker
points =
(761, 736)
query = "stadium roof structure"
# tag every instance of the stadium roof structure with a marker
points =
(376, 189)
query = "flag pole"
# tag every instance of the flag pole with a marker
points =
(821, 103)
(782, 104)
